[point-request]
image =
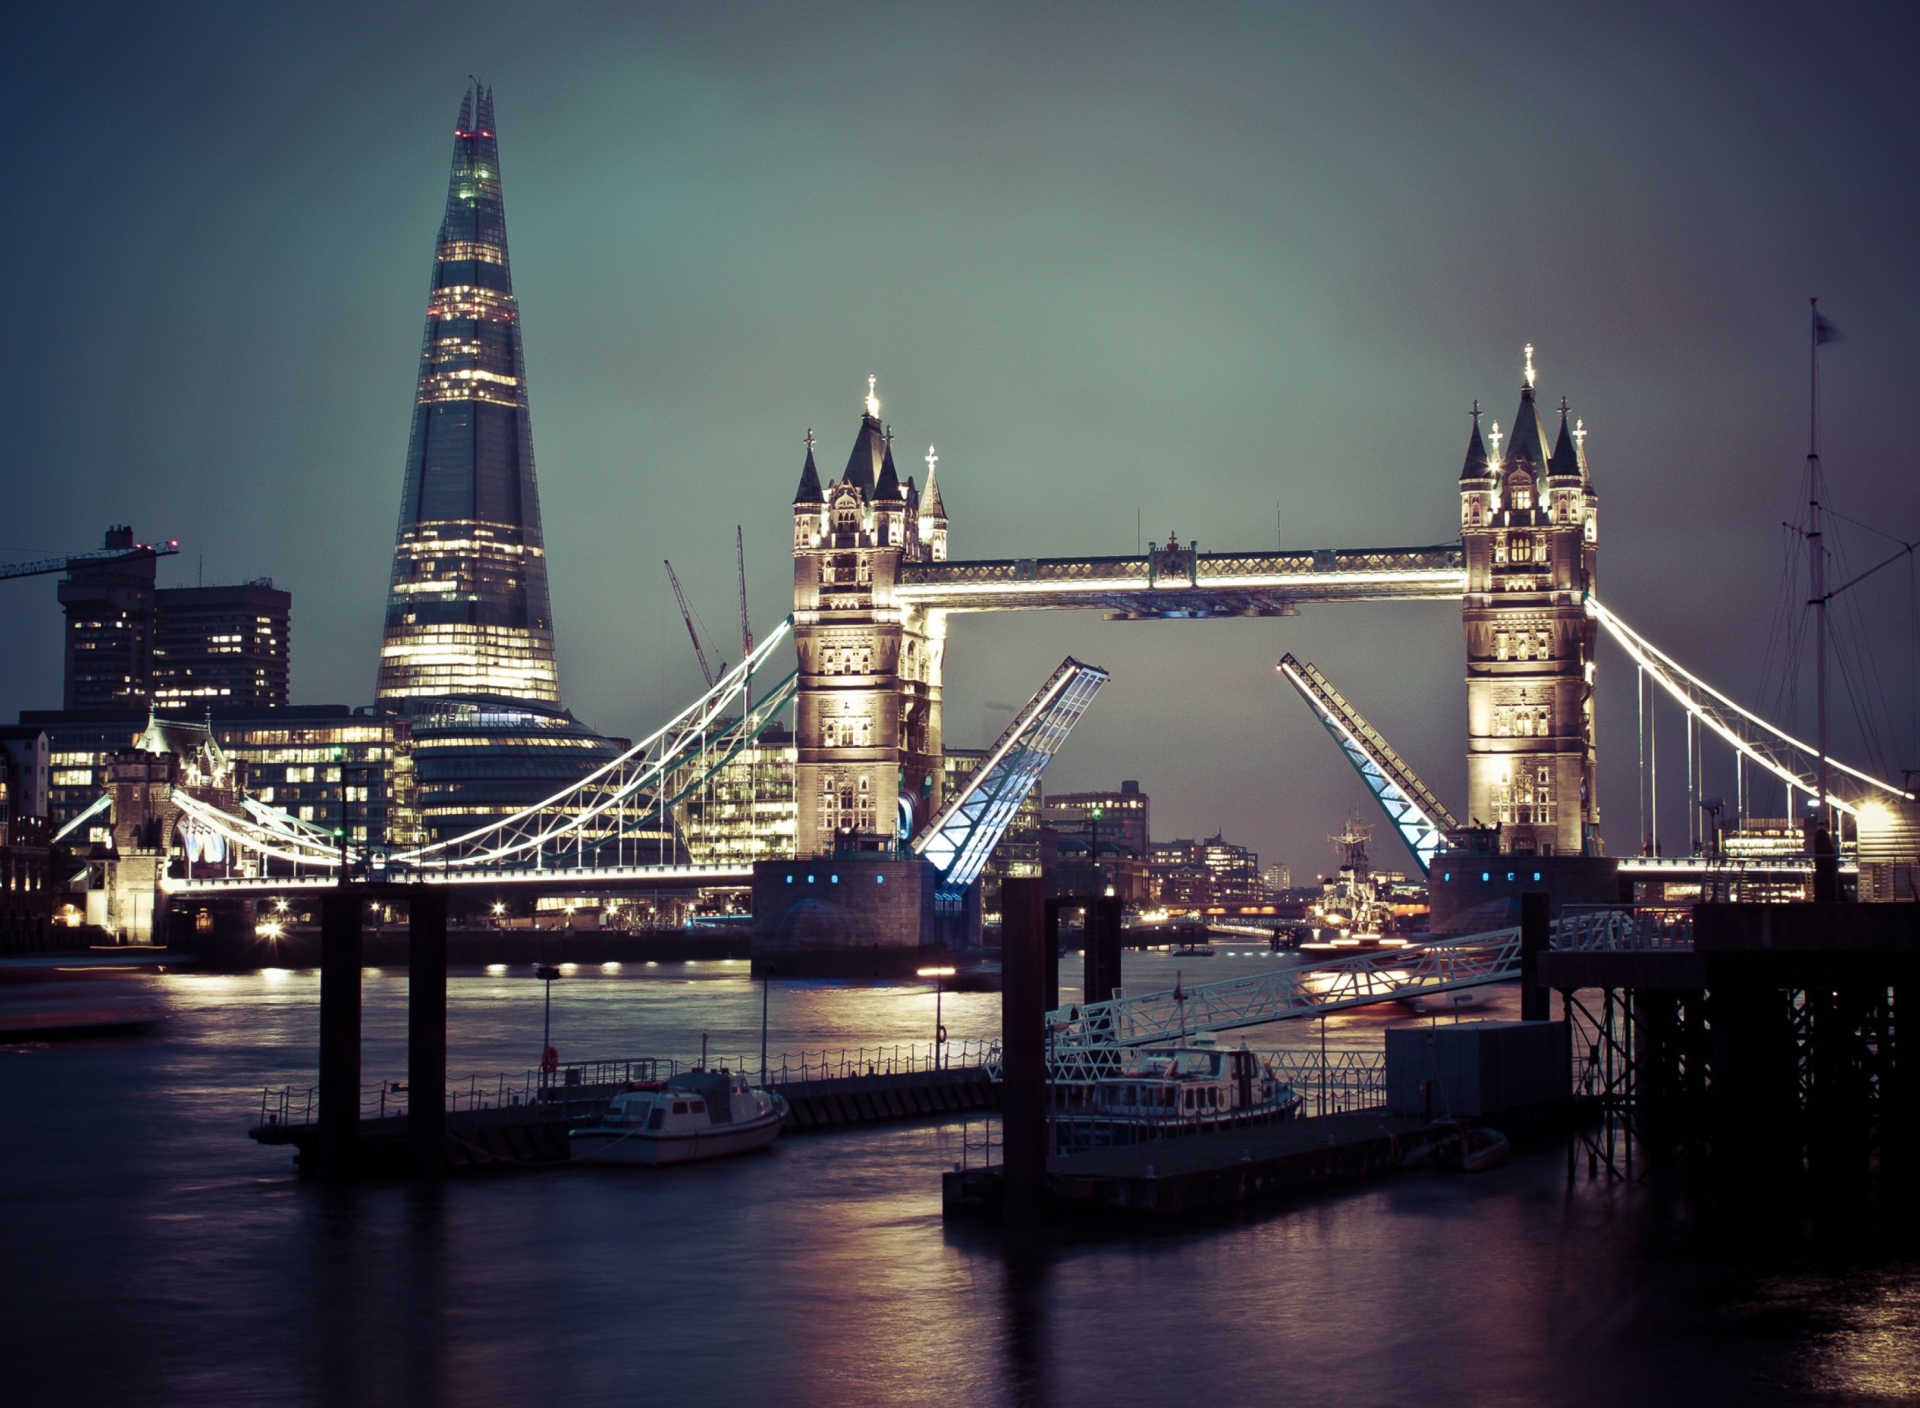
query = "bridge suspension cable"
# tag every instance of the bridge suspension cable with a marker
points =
(1776, 751)
(604, 807)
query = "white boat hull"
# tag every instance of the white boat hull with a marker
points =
(643, 1146)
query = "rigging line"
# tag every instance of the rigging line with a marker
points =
(1834, 512)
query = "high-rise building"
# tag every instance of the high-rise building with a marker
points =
(221, 645)
(110, 611)
(1529, 521)
(467, 610)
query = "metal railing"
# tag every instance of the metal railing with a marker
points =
(908, 1058)
(1617, 929)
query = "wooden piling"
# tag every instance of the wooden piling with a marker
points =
(1103, 948)
(1536, 922)
(339, 1115)
(426, 1031)
(1023, 1055)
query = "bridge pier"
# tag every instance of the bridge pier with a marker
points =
(1023, 1052)
(426, 1031)
(1102, 967)
(339, 1118)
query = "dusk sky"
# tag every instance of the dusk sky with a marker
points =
(1236, 273)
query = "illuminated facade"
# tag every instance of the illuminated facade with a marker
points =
(744, 811)
(477, 760)
(1529, 522)
(467, 609)
(221, 645)
(868, 709)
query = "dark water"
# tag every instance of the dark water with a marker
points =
(150, 1254)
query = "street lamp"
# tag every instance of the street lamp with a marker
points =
(549, 1058)
(939, 1027)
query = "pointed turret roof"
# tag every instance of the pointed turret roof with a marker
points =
(1476, 464)
(888, 486)
(913, 494)
(1566, 458)
(930, 505)
(809, 490)
(1528, 441)
(869, 448)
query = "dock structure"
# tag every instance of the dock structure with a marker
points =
(532, 1132)
(1774, 1055)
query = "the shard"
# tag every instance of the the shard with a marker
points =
(467, 610)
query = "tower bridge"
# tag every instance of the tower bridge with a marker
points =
(874, 591)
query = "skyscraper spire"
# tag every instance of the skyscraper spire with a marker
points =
(467, 611)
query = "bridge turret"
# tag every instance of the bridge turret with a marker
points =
(933, 514)
(868, 707)
(809, 505)
(1528, 527)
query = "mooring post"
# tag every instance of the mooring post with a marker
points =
(1023, 1051)
(426, 1031)
(1053, 952)
(339, 1122)
(1536, 925)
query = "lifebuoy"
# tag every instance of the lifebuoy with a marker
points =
(940, 1034)
(549, 1060)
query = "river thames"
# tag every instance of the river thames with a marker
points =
(151, 1254)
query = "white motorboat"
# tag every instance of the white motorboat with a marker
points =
(695, 1115)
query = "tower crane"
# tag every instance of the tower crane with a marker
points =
(100, 557)
(686, 614)
(746, 622)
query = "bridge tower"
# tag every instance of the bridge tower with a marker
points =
(1529, 522)
(867, 714)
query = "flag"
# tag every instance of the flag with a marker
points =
(1823, 331)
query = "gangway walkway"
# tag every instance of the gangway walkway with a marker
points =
(1385, 975)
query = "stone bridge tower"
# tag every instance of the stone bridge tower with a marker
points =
(1529, 522)
(867, 717)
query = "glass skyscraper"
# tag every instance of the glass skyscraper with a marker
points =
(467, 610)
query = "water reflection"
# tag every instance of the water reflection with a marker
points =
(153, 1255)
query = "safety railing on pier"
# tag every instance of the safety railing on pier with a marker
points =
(1617, 929)
(903, 1058)
(297, 1105)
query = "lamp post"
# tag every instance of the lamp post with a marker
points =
(549, 1058)
(939, 1027)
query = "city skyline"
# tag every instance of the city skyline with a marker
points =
(1247, 332)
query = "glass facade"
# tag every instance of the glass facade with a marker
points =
(476, 762)
(467, 610)
(746, 810)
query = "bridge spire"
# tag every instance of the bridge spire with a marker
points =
(1476, 464)
(809, 490)
(1565, 463)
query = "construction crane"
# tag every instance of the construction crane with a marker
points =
(1417, 815)
(101, 558)
(686, 614)
(746, 622)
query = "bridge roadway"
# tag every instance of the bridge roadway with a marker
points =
(601, 880)
(1184, 583)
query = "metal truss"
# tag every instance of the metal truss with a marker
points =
(1408, 802)
(1184, 583)
(1610, 929)
(1779, 753)
(94, 808)
(964, 832)
(283, 838)
(1383, 975)
(587, 825)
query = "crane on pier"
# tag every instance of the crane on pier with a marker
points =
(686, 614)
(103, 557)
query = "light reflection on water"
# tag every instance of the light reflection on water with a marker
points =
(149, 1253)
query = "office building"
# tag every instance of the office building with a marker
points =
(109, 637)
(221, 645)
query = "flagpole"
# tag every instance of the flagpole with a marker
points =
(1818, 576)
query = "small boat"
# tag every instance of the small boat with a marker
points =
(1457, 1000)
(1163, 1091)
(1203, 949)
(1470, 1149)
(694, 1115)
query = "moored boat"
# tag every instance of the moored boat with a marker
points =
(694, 1115)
